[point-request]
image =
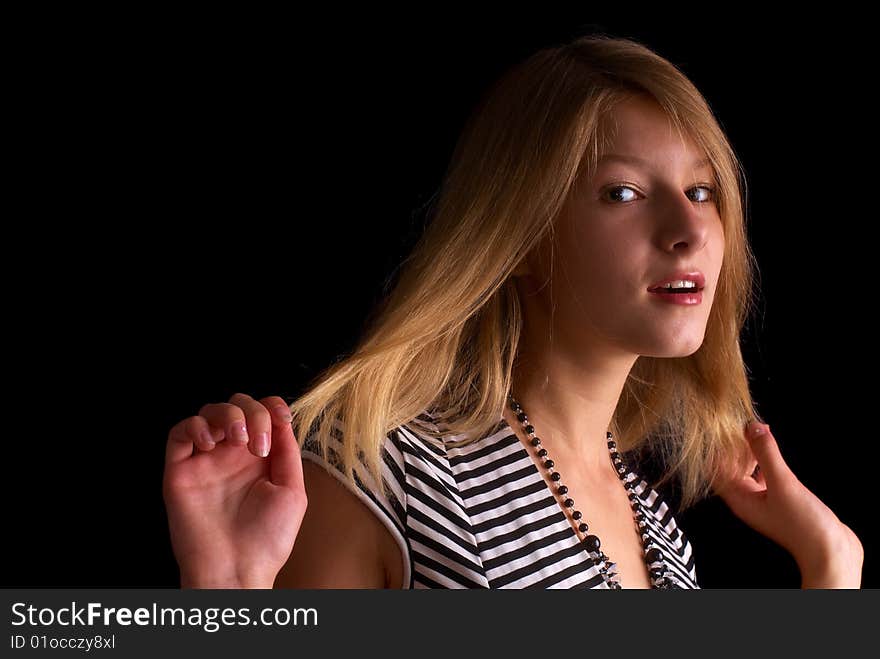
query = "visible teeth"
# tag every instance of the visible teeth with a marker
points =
(681, 283)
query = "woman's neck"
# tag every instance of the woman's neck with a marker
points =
(570, 404)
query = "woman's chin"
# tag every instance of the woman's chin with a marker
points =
(674, 349)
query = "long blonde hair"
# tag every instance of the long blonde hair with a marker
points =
(445, 337)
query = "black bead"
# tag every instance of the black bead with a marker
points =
(536, 441)
(647, 542)
(583, 528)
(577, 514)
(615, 455)
(635, 507)
(657, 572)
(628, 485)
(542, 453)
(549, 463)
(515, 406)
(608, 434)
(592, 543)
(530, 429)
(562, 489)
(555, 476)
(522, 417)
(654, 555)
(569, 503)
(612, 445)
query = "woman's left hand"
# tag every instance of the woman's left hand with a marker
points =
(777, 505)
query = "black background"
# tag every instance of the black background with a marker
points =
(211, 204)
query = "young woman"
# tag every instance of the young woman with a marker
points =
(575, 303)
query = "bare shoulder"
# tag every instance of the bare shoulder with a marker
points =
(341, 543)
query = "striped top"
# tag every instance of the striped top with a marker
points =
(482, 515)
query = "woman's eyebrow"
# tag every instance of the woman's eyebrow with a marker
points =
(701, 162)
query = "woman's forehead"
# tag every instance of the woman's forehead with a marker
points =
(640, 127)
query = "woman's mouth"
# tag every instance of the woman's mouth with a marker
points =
(673, 295)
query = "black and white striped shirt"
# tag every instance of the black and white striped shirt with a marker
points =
(482, 515)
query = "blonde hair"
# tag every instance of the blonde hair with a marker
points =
(445, 338)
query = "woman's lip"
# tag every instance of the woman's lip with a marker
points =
(660, 289)
(679, 298)
(694, 275)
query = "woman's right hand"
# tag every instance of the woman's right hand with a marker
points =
(234, 492)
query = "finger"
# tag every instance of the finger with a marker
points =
(744, 497)
(285, 469)
(278, 407)
(750, 486)
(757, 474)
(767, 453)
(279, 410)
(734, 485)
(183, 436)
(227, 422)
(750, 468)
(734, 473)
(753, 468)
(258, 422)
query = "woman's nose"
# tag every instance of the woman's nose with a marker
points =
(686, 223)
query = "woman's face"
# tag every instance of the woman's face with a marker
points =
(631, 225)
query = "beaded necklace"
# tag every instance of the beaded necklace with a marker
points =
(661, 576)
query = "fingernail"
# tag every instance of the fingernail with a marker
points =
(284, 413)
(239, 431)
(261, 444)
(759, 429)
(206, 437)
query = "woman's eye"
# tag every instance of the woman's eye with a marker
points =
(614, 191)
(625, 193)
(708, 195)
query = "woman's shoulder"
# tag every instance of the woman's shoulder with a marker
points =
(340, 543)
(379, 503)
